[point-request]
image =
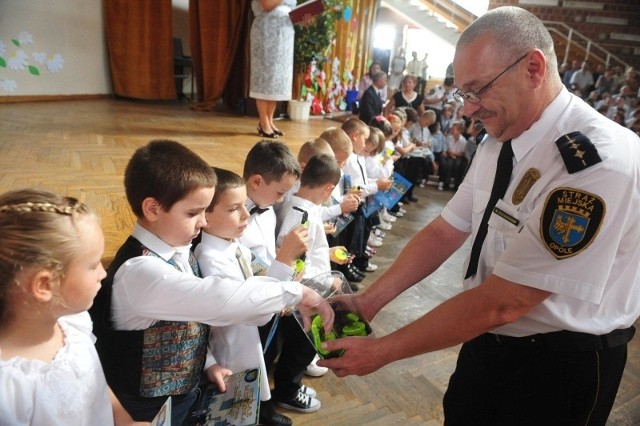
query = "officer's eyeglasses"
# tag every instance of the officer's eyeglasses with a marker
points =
(474, 96)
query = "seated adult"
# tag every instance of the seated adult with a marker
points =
(371, 103)
(407, 97)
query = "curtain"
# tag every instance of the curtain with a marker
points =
(139, 41)
(218, 33)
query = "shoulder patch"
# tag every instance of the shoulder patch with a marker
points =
(577, 152)
(570, 221)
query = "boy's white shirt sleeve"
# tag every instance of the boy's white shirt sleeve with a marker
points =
(147, 289)
(328, 213)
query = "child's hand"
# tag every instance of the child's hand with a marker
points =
(293, 245)
(339, 255)
(356, 190)
(312, 303)
(383, 184)
(350, 203)
(218, 375)
(329, 228)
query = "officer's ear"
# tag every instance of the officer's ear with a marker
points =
(536, 64)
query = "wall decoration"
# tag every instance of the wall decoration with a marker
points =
(15, 57)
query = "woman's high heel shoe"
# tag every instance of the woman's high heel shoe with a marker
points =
(261, 132)
(278, 132)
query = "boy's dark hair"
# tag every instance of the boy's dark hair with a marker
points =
(380, 122)
(271, 160)
(320, 170)
(412, 114)
(167, 171)
(226, 180)
(353, 125)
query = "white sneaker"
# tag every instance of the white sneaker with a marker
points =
(374, 242)
(384, 226)
(401, 210)
(371, 267)
(440, 186)
(397, 214)
(313, 370)
(387, 217)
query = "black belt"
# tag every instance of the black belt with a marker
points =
(565, 341)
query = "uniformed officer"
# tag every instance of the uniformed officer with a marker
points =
(552, 287)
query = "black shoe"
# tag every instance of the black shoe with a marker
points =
(413, 199)
(276, 419)
(352, 277)
(261, 132)
(354, 287)
(270, 417)
(278, 132)
(358, 271)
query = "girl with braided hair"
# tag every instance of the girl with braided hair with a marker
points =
(50, 271)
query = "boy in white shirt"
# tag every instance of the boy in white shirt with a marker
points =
(270, 171)
(233, 348)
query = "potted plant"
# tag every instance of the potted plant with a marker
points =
(312, 40)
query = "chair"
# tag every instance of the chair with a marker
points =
(180, 62)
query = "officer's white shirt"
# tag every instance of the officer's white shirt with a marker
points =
(147, 289)
(236, 347)
(594, 291)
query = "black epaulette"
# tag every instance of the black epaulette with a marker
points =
(577, 152)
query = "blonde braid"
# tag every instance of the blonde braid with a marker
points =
(45, 207)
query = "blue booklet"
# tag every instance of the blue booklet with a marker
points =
(399, 187)
(387, 199)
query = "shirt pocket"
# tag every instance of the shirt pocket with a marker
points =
(504, 224)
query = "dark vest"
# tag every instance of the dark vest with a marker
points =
(164, 359)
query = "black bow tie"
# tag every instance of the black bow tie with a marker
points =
(258, 210)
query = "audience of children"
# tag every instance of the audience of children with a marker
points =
(50, 257)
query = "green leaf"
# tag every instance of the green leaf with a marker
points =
(34, 70)
(16, 42)
(3, 63)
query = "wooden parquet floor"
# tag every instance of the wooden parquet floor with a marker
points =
(80, 148)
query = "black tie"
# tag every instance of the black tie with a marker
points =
(257, 210)
(500, 184)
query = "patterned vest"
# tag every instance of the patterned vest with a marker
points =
(164, 359)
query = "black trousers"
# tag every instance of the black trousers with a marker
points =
(293, 351)
(520, 382)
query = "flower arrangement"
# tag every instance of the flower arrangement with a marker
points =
(314, 36)
(313, 39)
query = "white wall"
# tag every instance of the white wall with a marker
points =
(72, 29)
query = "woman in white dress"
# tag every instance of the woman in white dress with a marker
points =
(272, 37)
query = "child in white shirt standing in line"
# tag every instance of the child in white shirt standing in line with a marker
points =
(233, 348)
